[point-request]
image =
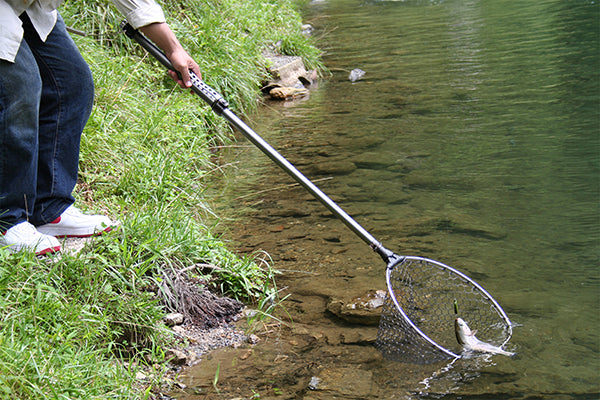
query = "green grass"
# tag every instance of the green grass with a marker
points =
(81, 326)
(59, 328)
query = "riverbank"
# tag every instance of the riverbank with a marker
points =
(85, 324)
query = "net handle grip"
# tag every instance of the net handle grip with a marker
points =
(208, 94)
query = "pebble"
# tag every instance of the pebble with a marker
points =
(140, 376)
(176, 357)
(276, 228)
(173, 319)
(253, 339)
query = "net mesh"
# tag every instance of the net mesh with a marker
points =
(426, 291)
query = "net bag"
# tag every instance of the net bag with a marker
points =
(417, 320)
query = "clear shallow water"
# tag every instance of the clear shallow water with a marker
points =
(473, 139)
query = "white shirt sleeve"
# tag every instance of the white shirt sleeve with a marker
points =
(140, 12)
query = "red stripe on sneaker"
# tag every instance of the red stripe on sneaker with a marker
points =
(49, 250)
(56, 221)
(96, 233)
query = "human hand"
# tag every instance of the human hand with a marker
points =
(183, 63)
(163, 37)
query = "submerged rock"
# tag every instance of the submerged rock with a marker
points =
(341, 167)
(356, 74)
(364, 309)
(287, 93)
(341, 383)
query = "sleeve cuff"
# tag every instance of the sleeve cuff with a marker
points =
(145, 16)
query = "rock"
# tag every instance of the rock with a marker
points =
(246, 354)
(342, 383)
(140, 376)
(176, 357)
(364, 309)
(360, 336)
(356, 74)
(300, 330)
(307, 29)
(250, 313)
(306, 332)
(375, 159)
(287, 93)
(287, 71)
(178, 329)
(74, 245)
(253, 339)
(333, 168)
(332, 238)
(173, 319)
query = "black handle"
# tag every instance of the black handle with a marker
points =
(208, 94)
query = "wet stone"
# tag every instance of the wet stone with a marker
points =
(288, 93)
(375, 159)
(290, 213)
(276, 228)
(333, 168)
(356, 74)
(343, 383)
(332, 238)
(364, 309)
(358, 336)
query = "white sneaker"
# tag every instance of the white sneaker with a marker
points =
(25, 236)
(74, 223)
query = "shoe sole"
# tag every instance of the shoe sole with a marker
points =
(49, 250)
(84, 235)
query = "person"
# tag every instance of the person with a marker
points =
(46, 96)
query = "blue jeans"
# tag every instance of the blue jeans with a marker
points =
(46, 98)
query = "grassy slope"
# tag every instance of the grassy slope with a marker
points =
(145, 159)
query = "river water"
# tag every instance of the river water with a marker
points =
(472, 139)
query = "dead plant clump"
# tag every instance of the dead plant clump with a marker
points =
(180, 293)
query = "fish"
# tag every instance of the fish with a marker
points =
(466, 337)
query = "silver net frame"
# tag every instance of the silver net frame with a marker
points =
(417, 320)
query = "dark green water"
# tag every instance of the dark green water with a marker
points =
(474, 139)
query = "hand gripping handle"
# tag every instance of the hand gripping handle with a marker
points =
(208, 94)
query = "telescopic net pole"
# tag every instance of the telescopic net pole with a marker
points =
(221, 107)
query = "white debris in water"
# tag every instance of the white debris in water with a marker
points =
(314, 383)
